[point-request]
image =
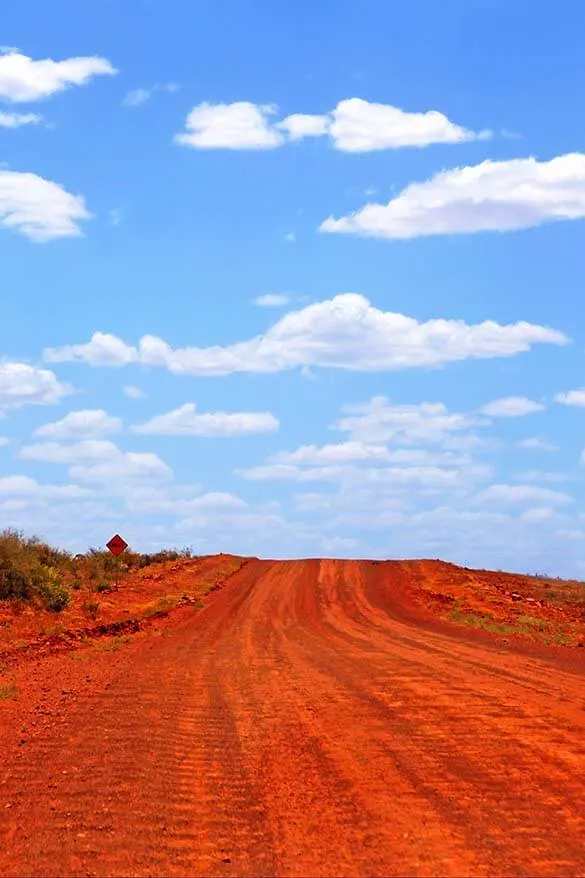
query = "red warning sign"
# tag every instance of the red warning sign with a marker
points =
(117, 545)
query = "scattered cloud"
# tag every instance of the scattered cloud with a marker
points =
(116, 215)
(533, 475)
(511, 495)
(88, 424)
(39, 209)
(534, 442)
(17, 120)
(345, 332)
(26, 488)
(510, 135)
(187, 421)
(22, 384)
(301, 125)
(572, 397)
(23, 80)
(354, 125)
(136, 97)
(4, 440)
(99, 461)
(491, 196)
(241, 125)
(290, 237)
(272, 300)
(133, 392)
(511, 407)
(360, 126)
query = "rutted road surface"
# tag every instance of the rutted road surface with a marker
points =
(306, 723)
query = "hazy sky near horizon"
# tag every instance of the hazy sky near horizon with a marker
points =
(295, 279)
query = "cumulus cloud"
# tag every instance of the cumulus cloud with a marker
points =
(271, 300)
(572, 397)
(22, 384)
(361, 126)
(491, 196)
(353, 451)
(17, 120)
(354, 125)
(431, 478)
(87, 424)
(94, 460)
(23, 80)
(187, 421)
(534, 442)
(381, 421)
(133, 392)
(511, 407)
(301, 125)
(26, 488)
(136, 97)
(511, 495)
(241, 125)
(39, 209)
(345, 332)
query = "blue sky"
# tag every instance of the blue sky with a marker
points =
(295, 279)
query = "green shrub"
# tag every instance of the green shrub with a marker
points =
(49, 585)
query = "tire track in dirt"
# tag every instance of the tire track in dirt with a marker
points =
(304, 724)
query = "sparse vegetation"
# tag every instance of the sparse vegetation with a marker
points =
(34, 573)
(91, 609)
(8, 692)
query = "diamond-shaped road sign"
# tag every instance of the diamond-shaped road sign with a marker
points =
(117, 545)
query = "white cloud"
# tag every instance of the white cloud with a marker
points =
(23, 80)
(491, 196)
(572, 397)
(509, 495)
(344, 452)
(4, 440)
(39, 209)
(94, 460)
(537, 444)
(133, 392)
(533, 475)
(361, 126)
(290, 237)
(27, 488)
(88, 424)
(241, 125)
(116, 215)
(138, 96)
(21, 384)
(272, 300)
(345, 332)
(354, 125)
(300, 125)
(511, 407)
(380, 421)
(17, 120)
(186, 421)
(426, 478)
(538, 514)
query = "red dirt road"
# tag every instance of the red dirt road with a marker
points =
(308, 722)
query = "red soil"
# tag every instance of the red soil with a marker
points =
(316, 718)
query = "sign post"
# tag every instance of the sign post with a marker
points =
(116, 546)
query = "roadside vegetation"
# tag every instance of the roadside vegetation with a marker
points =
(32, 573)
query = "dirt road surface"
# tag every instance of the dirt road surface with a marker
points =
(308, 722)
